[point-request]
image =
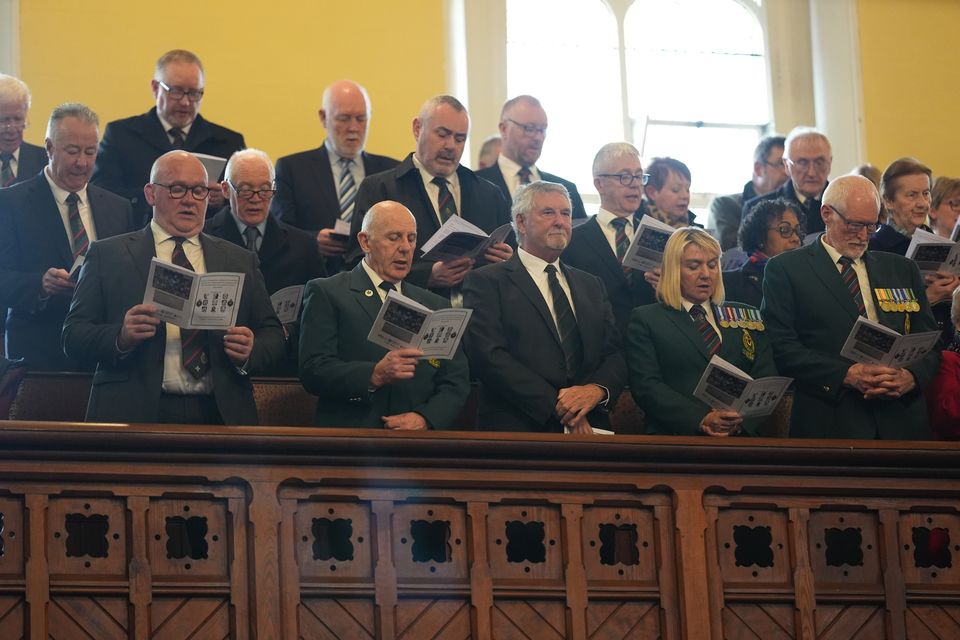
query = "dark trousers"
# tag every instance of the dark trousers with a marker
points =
(181, 409)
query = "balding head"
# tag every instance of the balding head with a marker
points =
(851, 208)
(345, 114)
(388, 238)
(175, 170)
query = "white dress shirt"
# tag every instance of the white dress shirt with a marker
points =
(376, 280)
(86, 215)
(535, 267)
(510, 169)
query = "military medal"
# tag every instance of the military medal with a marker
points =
(749, 347)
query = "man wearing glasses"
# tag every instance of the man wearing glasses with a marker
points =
(811, 299)
(19, 160)
(288, 256)
(598, 245)
(523, 130)
(807, 159)
(46, 223)
(150, 371)
(130, 146)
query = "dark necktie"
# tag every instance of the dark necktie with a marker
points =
(193, 343)
(78, 233)
(347, 189)
(709, 335)
(850, 279)
(251, 234)
(178, 138)
(446, 207)
(388, 286)
(524, 174)
(570, 340)
(6, 170)
(620, 239)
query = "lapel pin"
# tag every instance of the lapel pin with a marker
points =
(368, 293)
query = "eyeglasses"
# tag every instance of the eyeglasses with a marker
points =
(246, 193)
(178, 191)
(954, 204)
(820, 164)
(626, 179)
(13, 124)
(529, 129)
(855, 227)
(177, 93)
(785, 230)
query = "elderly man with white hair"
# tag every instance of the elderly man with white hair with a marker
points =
(19, 160)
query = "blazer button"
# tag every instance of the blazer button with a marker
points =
(826, 388)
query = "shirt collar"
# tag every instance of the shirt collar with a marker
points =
(167, 126)
(453, 178)
(687, 305)
(376, 279)
(604, 218)
(160, 235)
(534, 264)
(510, 168)
(834, 254)
(60, 195)
(336, 157)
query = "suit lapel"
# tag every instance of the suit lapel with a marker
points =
(824, 268)
(44, 214)
(521, 278)
(585, 308)
(366, 297)
(274, 239)
(151, 130)
(323, 174)
(409, 176)
(684, 324)
(142, 251)
(593, 235)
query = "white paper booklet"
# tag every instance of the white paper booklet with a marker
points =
(934, 253)
(870, 342)
(645, 253)
(286, 303)
(458, 238)
(404, 323)
(724, 386)
(75, 268)
(191, 300)
(341, 229)
(597, 431)
(213, 164)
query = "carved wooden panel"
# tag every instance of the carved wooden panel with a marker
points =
(12, 537)
(195, 617)
(525, 619)
(850, 622)
(524, 543)
(754, 548)
(87, 537)
(930, 550)
(12, 610)
(619, 545)
(335, 618)
(433, 619)
(623, 620)
(758, 621)
(80, 618)
(933, 622)
(430, 542)
(334, 540)
(188, 539)
(844, 551)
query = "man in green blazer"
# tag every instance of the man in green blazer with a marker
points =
(359, 383)
(810, 310)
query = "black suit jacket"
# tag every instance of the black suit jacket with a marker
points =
(813, 222)
(128, 388)
(514, 348)
(130, 146)
(480, 203)
(307, 195)
(288, 257)
(32, 240)
(744, 285)
(590, 252)
(32, 160)
(494, 175)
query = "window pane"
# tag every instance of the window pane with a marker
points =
(564, 52)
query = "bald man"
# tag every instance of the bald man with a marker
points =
(316, 187)
(149, 371)
(811, 299)
(359, 383)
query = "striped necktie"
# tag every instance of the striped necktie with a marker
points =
(446, 207)
(178, 137)
(251, 234)
(570, 341)
(707, 333)
(78, 233)
(347, 190)
(193, 343)
(852, 282)
(6, 170)
(620, 240)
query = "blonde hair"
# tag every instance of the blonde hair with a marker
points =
(668, 289)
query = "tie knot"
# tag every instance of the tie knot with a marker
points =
(697, 312)
(524, 174)
(619, 223)
(72, 198)
(345, 163)
(845, 260)
(179, 241)
(550, 270)
(440, 182)
(388, 286)
(6, 157)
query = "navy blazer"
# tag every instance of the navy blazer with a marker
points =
(494, 175)
(32, 160)
(32, 240)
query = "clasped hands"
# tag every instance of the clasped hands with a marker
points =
(574, 403)
(876, 381)
(140, 323)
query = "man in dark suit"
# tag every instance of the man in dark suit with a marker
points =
(149, 371)
(523, 130)
(807, 158)
(318, 187)
(288, 256)
(598, 245)
(542, 338)
(811, 298)
(130, 146)
(45, 224)
(19, 160)
(433, 184)
(361, 384)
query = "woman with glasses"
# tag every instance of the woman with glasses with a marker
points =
(666, 193)
(906, 193)
(669, 343)
(770, 228)
(944, 205)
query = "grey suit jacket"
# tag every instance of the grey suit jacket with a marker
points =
(127, 388)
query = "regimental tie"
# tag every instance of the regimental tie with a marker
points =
(570, 340)
(524, 175)
(620, 240)
(78, 233)
(251, 234)
(446, 207)
(850, 279)
(387, 286)
(193, 343)
(178, 138)
(711, 340)
(6, 169)
(347, 190)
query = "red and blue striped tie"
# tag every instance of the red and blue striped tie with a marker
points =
(849, 276)
(709, 335)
